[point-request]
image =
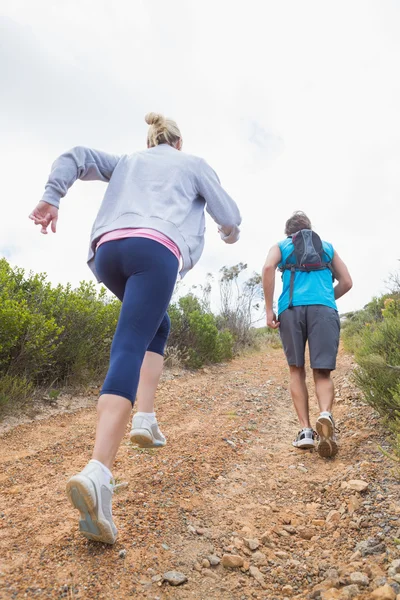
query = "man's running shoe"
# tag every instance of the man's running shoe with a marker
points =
(305, 439)
(146, 434)
(327, 447)
(89, 494)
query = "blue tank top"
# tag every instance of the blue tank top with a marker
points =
(315, 287)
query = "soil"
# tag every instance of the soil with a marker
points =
(228, 482)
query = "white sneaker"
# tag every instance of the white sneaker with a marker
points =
(305, 439)
(146, 434)
(327, 447)
(89, 494)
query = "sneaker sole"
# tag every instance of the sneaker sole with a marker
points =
(327, 447)
(304, 445)
(90, 526)
(144, 439)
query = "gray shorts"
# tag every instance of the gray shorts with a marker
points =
(318, 324)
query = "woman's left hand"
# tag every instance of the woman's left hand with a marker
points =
(45, 214)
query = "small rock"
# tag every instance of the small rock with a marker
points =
(281, 554)
(259, 558)
(209, 573)
(174, 578)
(394, 568)
(252, 544)
(246, 566)
(349, 592)
(355, 556)
(358, 485)
(333, 516)
(371, 546)
(213, 560)
(122, 554)
(306, 534)
(290, 529)
(379, 581)
(232, 561)
(318, 522)
(353, 505)
(258, 576)
(205, 563)
(200, 531)
(359, 579)
(287, 590)
(156, 578)
(384, 593)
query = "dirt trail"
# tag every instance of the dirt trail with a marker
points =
(228, 473)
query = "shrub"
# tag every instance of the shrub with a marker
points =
(194, 331)
(374, 335)
(14, 392)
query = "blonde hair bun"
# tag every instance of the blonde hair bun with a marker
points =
(153, 118)
(161, 130)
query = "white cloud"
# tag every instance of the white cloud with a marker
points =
(294, 104)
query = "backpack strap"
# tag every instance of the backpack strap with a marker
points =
(292, 276)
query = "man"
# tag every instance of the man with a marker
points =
(307, 312)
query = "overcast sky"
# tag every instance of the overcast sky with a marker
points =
(294, 104)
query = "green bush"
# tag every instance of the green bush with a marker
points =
(374, 336)
(49, 334)
(194, 331)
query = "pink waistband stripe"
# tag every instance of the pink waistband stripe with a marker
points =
(150, 234)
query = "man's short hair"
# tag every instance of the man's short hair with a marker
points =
(297, 221)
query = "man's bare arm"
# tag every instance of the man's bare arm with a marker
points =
(268, 277)
(342, 275)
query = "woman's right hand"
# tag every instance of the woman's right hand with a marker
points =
(45, 214)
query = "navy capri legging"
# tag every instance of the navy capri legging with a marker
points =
(142, 274)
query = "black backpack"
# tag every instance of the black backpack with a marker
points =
(309, 254)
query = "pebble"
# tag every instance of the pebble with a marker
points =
(394, 568)
(371, 546)
(306, 534)
(258, 576)
(384, 593)
(122, 553)
(290, 529)
(210, 573)
(174, 578)
(259, 558)
(252, 544)
(359, 579)
(205, 563)
(349, 591)
(232, 561)
(287, 589)
(333, 516)
(213, 560)
(358, 485)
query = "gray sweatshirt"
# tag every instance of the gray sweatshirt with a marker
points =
(159, 188)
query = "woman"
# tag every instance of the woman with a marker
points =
(150, 225)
